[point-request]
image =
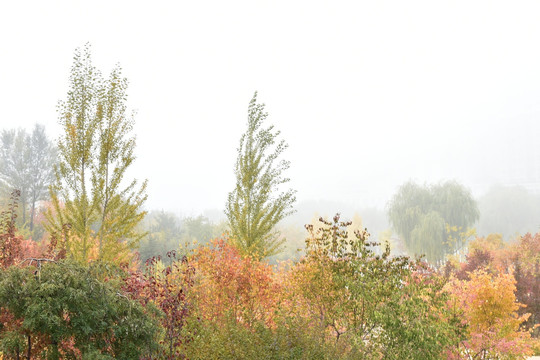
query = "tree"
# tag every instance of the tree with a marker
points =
(253, 207)
(233, 286)
(432, 219)
(26, 164)
(14, 169)
(10, 242)
(164, 233)
(490, 311)
(167, 288)
(73, 314)
(95, 152)
(372, 305)
(41, 173)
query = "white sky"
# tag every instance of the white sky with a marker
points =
(368, 94)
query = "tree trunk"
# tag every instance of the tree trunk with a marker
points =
(55, 355)
(32, 214)
(29, 351)
(23, 203)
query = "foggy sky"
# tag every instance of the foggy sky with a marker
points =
(367, 94)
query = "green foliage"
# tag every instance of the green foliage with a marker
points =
(163, 235)
(381, 307)
(200, 229)
(166, 232)
(236, 341)
(95, 152)
(253, 207)
(420, 214)
(70, 310)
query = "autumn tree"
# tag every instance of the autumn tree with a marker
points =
(524, 257)
(236, 301)
(520, 259)
(255, 205)
(167, 287)
(235, 285)
(96, 149)
(371, 305)
(429, 217)
(10, 243)
(489, 309)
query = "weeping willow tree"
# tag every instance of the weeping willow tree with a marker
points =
(95, 150)
(256, 204)
(428, 217)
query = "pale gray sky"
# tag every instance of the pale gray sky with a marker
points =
(368, 94)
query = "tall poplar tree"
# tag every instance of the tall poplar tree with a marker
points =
(89, 196)
(256, 204)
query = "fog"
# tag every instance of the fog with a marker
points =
(367, 95)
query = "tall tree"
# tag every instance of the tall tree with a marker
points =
(14, 165)
(26, 164)
(119, 207)
(42, 159)
(255, 206)
(428, 217)
(95, 152)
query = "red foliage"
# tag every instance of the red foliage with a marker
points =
(526, 263)
(166, 287)
(478, 259)
(520, 260)
(490, 311)
(10, 243)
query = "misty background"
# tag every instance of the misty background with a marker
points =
(367, 95)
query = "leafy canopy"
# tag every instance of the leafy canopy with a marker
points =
(255, 206)
(430, 219)
(373, 305)
(96, 149)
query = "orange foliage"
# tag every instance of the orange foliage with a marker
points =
(489, 310)
(310, 293)
(229, 284)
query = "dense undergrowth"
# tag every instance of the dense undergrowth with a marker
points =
(347, 298)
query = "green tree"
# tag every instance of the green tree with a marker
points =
(427, 217)
(163, 235)
(64, 307)
(373, 305)
(95, 151)
(200, 229)
(119, 207)
(254, 207)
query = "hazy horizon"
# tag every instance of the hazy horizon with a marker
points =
(368, 96)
